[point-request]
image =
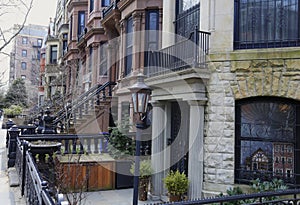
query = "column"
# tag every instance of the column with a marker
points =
(195, 164)
(158, 144)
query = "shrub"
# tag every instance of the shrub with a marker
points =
(177, 183)
(13, 110)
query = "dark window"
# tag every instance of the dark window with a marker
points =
(105, 2)
(24, 53)
(24, 40)
(125, 111)
(24, 65)
(262, 126)
(103, 59)
(39, 42)
(129, 46)
(71, 27)
(90, 58)
(65, 43)
(91, 5)
(187, 17)
(152, 26)
(81, 22)
(38, 55)
(53, 54)
(266, 23)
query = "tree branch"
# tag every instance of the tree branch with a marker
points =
(6, 42)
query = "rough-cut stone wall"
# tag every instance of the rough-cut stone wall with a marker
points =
(234, 76)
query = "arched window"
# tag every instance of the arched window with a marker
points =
(267, 141)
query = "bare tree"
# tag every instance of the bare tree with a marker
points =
(7, 7)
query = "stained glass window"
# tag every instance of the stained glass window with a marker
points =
(267, 145)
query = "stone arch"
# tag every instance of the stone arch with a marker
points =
(266, 79)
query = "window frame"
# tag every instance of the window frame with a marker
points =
(105, 3)
(81, 23)
(24, 53)
(24, 40)
(92, 5)
(24, 65)
(53, 54)
(129, 46)
(287, 142)
(149, 32)
(275, 42)
(103, 59)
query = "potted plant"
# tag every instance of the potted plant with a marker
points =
(177, 184)
(144, 178)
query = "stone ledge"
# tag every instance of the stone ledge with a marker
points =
(13, 177)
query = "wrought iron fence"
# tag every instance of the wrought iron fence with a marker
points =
(291, 196)
(184, 54)
(33, 187)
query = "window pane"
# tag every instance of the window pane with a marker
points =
(266, 143)
(24, 66)
(267, 120)
(105, 2)
(268, 23)
(24, 53)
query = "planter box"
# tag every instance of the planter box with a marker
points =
(124, 179)
(85, 173)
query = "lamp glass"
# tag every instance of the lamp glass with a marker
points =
(134, 101)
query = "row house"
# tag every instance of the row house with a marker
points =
(212, 117)
(224, 78)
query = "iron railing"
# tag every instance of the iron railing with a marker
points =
(84, 103)
(276, 197)
(185, 54)
(33, 186)
(112, 6)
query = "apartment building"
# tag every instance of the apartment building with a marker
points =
(25, 58)
(225, 80)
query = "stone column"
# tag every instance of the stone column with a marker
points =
(168, 28)
(195, 164)
(158, 144)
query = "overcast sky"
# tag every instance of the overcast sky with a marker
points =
(40, 14)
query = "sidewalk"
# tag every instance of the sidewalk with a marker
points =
(8, 195)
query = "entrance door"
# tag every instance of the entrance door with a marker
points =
(179, 141)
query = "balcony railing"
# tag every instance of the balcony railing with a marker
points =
(112, 6)
(184, 54)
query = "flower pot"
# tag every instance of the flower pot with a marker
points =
(143, 188)
(173, 198)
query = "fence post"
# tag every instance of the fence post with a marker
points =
(13, 133)
(9, 124)
(196, 49)
(25, 148)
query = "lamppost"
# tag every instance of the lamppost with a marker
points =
(140, 93)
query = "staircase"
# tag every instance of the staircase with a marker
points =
(88, 113)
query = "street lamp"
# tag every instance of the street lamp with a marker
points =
(140, 93)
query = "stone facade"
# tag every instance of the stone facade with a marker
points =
(238, 75)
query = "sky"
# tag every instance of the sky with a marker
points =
(40, 14)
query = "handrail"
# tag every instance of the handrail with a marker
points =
(83, 99)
